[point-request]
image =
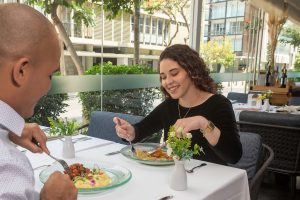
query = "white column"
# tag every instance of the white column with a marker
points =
(195, 24)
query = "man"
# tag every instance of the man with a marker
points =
(29, 55)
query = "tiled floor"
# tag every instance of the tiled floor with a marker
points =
(277, 189)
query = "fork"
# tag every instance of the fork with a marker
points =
(192, 170)
(132, 147)
(60, 161)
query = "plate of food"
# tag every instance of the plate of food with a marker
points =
(148, 153)
(90, 178)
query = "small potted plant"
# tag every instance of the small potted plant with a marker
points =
(179, 147)
(66, 128)
(265, 97)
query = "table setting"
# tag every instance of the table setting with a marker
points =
(141, 180)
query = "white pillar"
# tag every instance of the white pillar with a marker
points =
(195, 24)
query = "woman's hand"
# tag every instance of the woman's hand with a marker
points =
(124, 129)
(185, 125)
(31, 132)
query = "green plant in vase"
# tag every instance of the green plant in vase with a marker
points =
(62, 127)
(66, 128)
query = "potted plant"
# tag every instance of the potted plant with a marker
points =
(179, 147)
(65, 128)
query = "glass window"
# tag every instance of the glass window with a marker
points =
(160, 32)
(237, 44)
(147, 30)
(236, 27)
(154, 29)
(218, 11)
(218, 29)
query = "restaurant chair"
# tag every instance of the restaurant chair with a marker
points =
(294, 101)
(255, 159)
(102, 126)
(238, 97)
(280, 131)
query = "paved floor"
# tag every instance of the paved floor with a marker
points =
(277, 189)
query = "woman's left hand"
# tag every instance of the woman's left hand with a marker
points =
(185, 125)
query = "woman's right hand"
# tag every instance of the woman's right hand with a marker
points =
(124, 129)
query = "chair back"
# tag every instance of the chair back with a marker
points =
(239, 97)
(294, 101)
(102, 125)
(251, 145)
(255, 159)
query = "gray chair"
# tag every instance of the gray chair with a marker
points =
(255, 160)
(280, 131)
(239, 97)
(294, 101)
(102, 126)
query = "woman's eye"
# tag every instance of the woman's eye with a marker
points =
(162, 77)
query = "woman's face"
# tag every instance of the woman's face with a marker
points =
(174, 79)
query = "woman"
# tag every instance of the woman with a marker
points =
(191, 105)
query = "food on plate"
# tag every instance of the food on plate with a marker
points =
(86, 178)
(157, 154)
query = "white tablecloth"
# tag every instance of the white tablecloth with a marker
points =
(151, 182)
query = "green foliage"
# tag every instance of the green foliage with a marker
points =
(297, 63)
(133, 101)
(214, 53)
(180, 147)
(83, 11)
(113, 7)
(48, 106)
(61, 127)
(291, 35)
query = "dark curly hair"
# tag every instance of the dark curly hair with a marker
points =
(192, 63)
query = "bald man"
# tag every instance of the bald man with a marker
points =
(29, 55)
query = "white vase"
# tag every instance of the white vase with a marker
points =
(178, 179)
(68, 150)
(266, 106)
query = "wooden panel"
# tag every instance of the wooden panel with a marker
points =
(280, 95)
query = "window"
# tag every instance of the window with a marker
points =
(237, 44)
(154, 29)
(218, 29)
(218, 11)
(160, 32)
(236, 27)
(147, 30)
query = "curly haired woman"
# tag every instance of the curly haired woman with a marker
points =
(191, 105)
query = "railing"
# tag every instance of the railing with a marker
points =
(84, 83)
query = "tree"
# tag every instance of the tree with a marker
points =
(275, 24)
(214, 53)
(83, 12)
(170, 8)
(291, 35)
(114, 7)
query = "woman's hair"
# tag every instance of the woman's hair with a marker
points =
(192, 63)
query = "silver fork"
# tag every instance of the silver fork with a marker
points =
(192, 170)
(132, 147)
(60, 161)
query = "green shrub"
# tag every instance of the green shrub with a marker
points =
(49, 106)
(130, 101)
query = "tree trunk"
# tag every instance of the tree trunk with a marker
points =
(66, 39)
(136, 32)
(275, 24)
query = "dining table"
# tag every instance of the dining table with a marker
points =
(147, 182)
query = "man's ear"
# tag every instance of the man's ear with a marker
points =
(19, 71)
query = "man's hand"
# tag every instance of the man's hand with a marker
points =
(59, 187)
(31, 132)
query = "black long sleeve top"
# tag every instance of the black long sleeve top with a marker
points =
(217, 109)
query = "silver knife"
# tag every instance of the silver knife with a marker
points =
(112, 153)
